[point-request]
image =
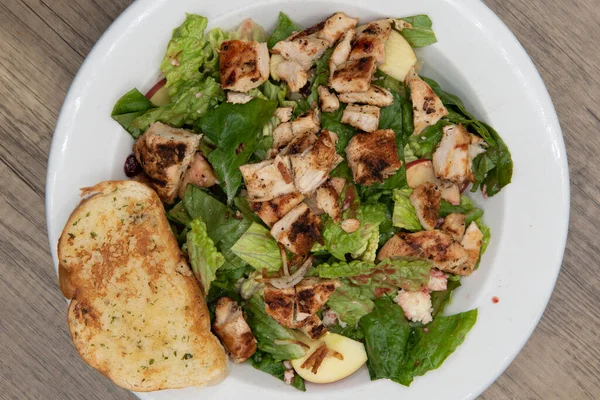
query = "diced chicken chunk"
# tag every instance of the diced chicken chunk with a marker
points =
(342, 50)
(243, 65)
(450, 192)
(353, 75)
(312, 327)
(365, 117)
(199, 173)
(280, 304)
(451, 159)
(293, 74)
(298, 230)
(375, 96)
(299, 144)
(471, 242)
(438, 281)
(233, 330)
(338, 184)
(284, 114)
(268, 179)
(312, 167)
(303, 49)
(238, 98)
(416, 305)
(373, 157)
(426, 200)
(335, 26)
(273, 210)
(309, 122)
(282, 135)
(370, 42)
(327, 200)
(454, 224)
(428, 109)
(164, 153)
(313, 293)
(437, 246)
(327, 100)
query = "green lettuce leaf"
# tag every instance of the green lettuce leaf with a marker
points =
(203, 254)
(424, 144)
(343, 269)
(266, 363)
(321, 78)
(350, 302)
(440, 299)
(420, 34)
(332, 121)
(405, 215)
(487, 235)
(386, 334)
(466, 207)
(251, 285)
(130, 106)
(258, 248)
(179, 214)
(235, 127)
(285, 28)
(225, 285)
(428, 349)
(267, 332)
(352, 332)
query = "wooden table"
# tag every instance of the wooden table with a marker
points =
(42, 44)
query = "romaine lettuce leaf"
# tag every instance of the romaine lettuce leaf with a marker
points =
(266, 363)
(285, 27)
(203, 254)
(130, 106)
(267, 332)
(420, 34)
(440, 299)
(235, 130)
(258, 248)
(405, 215)
(350, 302)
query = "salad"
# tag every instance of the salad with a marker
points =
(318, 186)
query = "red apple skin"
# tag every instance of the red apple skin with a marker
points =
(413, 163)
(464, 187)
(156, 88)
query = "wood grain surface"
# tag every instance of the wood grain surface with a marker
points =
(43, 43)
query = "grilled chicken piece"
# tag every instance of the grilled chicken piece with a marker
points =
(426, 200)
(335, 26)
(454, 224)
(299, 144)
(309, 122)
(370, 42)
(417, 306)
(298, 230)
(243, 64)
(311, 168)
(312, 294)
(327, 198)
(268, 179)
(438, 281)
(453, 158)
(437, 246)
(293, 74)
(302, 49)
(273, 210)
(298, 134)
(375, 96)
(365, 117)
(199, 173)
(471, 242)
(164, 153)
(233, 330)
(280, 304)
(312, 327)
(373, 157)
(353, 75)
(284, 114)
(328, 101)
(282, 135)
(238, 98)
(428, 109)
(342, 50)
(450, 192)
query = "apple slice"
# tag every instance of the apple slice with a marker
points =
(419, 172)
(159, 94)
(399, 57)
(276, 59)
(333, 369)
(156, 88)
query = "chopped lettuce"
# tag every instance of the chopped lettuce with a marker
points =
(179, 214)
(270, 336)
(266, 363)
(440, 299)
(235, 130)
(344, 269)
(332, 122)
(405, 215)
(320, 78)
(350, 302)
(466, 207)
(487, 235)
(285, 27)
(248, 287)
(424, 144)
(258, 248)
(420, 33)
(203, 254)
(130, 106)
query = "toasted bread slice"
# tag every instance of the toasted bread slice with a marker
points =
(137, 314)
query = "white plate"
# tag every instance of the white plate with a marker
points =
(477, 58)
